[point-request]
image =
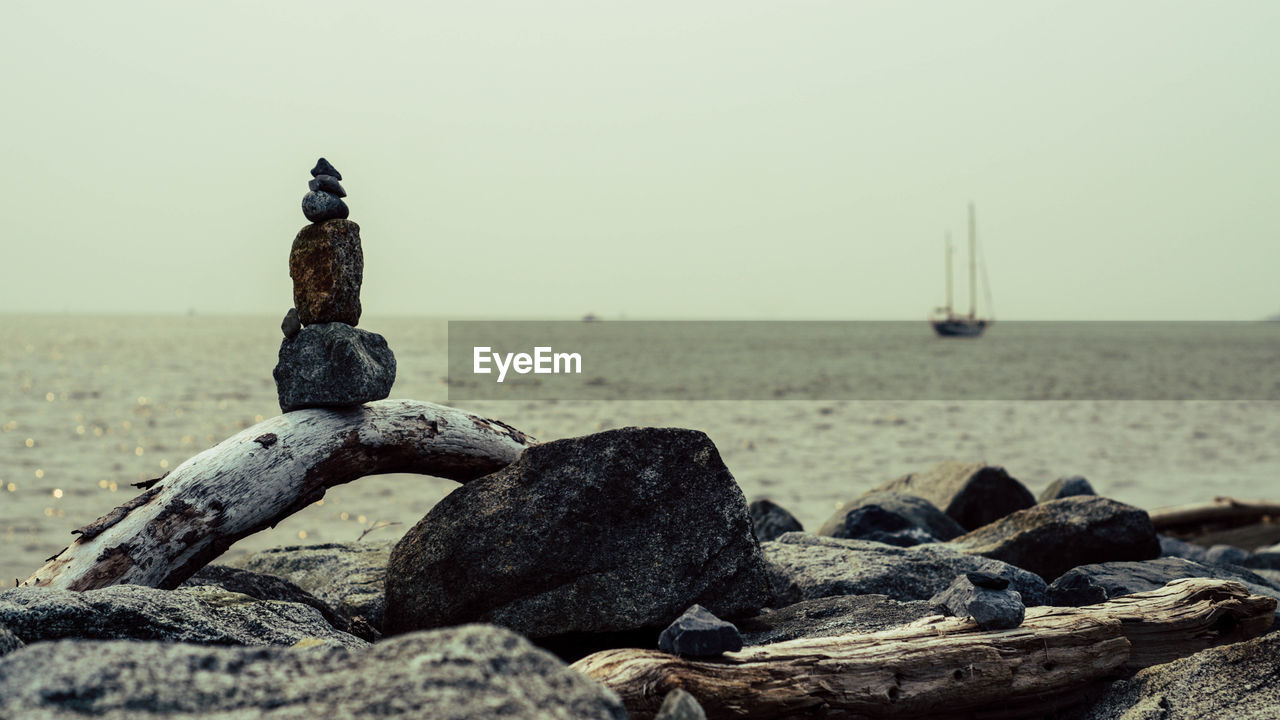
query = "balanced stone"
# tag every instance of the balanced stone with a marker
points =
(327, 183)
(324, 167)
(291, 325)
(333, 365)
(327, 267)
(319, 206)
(991, 608)
(698, 633)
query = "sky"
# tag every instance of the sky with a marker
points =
(720, 159)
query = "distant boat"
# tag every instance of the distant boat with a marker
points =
(591, 317)
(945, 321)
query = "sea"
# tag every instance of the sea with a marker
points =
(1184, 412)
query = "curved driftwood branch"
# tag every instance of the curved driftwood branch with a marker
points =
(945, 667)
(266, 473)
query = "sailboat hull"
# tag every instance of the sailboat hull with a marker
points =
(959, 327)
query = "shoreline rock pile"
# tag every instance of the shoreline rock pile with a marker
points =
(325, 361)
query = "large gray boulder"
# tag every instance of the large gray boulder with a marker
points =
(803, 567)
(471, 672)
(913, 511)
(333, 365)
(973, 494)
(1240, 682)
(351, 578)
(830, 616)
(612, 532)
(205, 615)
(1053, 537)
(1091, 584)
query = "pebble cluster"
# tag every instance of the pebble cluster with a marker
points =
(325, 361)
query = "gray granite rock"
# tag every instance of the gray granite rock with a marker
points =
(8, 641)
(803, 567)
(205, 615)
(872, 522)
(1090, 584)
(463, 673)
(326, 264)
(349, 577)
(1224, 555)
(291, 325)
(319, 206)
(699, 633)
(1236, 682)
(993, 608)
(333, 365)
(617, 531)
(1173, 547)
(324, 167)
(1053, 537)
(973, 494)
(327, 183)
(1066, 487)
(1267, 558)
(769, 520)
(261, 586)
(914, 512)
(680, 705)
(828, 616)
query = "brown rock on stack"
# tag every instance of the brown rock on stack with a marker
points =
(327, 267)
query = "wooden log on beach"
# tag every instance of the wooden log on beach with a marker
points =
(946, 667)
(266, 473)
(1230, 521)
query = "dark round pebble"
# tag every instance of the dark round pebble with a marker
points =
(321, 206)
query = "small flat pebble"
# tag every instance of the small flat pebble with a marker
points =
(327, 183)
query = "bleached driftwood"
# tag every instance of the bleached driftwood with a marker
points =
(266, 473)
(1244, 523)
(946, 667)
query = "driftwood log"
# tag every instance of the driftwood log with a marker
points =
(1244, 523)
(946, 667)
(266, 473)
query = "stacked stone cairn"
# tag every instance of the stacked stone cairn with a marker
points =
(325, 362)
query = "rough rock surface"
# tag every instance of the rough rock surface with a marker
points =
(680, 705)
(1066, 487)
(803, 567)
(828, 616)
(261, 586)
(291, 325)
(327, 267)
(204, 615)
(617, 531)
(333, 365)
(471, 672)
(1090, 584)
(769, 520)
(351, 578)
(1173, 547)
(872, 522)
(991, 606)
(8, 641)
(699, 633)
(916, 511)
(319, 206)
(1051, 538)
(1240, 681)
(973, 494)
(1226, 555)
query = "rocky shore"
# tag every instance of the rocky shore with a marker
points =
(633, 538)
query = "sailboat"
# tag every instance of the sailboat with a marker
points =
(945, 321)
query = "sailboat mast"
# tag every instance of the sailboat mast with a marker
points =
(949, 293)
(973, 265)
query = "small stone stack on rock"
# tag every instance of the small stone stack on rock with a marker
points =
(324, 360)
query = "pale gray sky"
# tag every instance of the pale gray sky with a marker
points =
(725, 158)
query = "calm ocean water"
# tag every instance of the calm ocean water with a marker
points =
(90, 404)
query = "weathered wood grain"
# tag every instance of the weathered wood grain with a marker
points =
(946, 667)
(262, 475)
